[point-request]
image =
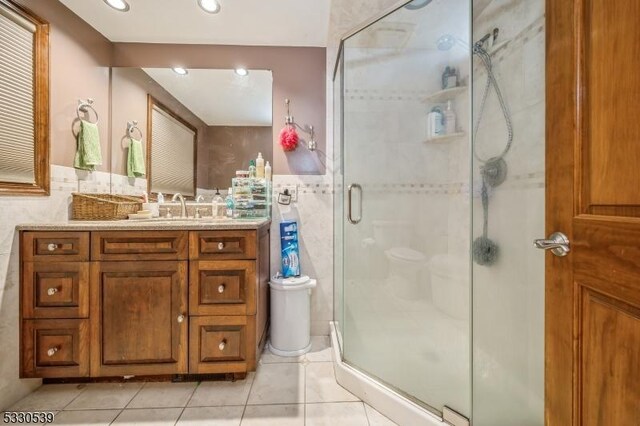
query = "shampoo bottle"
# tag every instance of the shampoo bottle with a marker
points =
(450, 119)
(252, 169)
(260, 166)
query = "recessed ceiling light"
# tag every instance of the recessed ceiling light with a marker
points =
(180, 70)
(209, 6)
(120, 5)
(241, 71)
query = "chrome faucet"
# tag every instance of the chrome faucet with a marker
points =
(199, 198)
(183, 204)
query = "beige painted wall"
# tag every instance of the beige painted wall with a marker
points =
(230, 148)
(80, 58)
(298, 74)
(129, 89)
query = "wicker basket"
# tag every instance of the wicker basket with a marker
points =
(104, 206)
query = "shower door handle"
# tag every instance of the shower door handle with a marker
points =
(350, 204)
(558, 243)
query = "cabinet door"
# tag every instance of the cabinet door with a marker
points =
(139, 318)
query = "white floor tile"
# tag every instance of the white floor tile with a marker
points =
(213, 394)
(376, 418)
(218, 416)
(268, 357)
(336, 414)
(86, 417)
(278, 384)
(149, 417)
(105, 396)
(320, 349)
(272, 415)
(322, 385)
(49, 398)
(163, 395)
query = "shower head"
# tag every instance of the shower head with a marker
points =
(417, 4)
(446, 42)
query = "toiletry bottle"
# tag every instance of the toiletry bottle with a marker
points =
(450, 119)
(434, 124)
(218, 205)
(267, 171)
(252, 169)
(260, 166)
(160, 198)
(229, 203)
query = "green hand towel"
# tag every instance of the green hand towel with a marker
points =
(88, 153)
(135, 160)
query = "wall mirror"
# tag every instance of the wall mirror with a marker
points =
(193, 128)
(24, 102)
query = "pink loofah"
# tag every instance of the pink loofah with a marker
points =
(289, 138)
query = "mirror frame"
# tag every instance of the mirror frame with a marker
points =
(153, 102)
(42, 184)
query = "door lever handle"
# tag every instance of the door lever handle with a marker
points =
(557, 242)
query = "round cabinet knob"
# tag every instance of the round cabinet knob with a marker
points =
(220, 246)
(52, 247)
(52, 351)
(222, 344)
(51, 291)
(221, 288)
(180, 318)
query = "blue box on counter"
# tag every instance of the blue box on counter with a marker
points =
(290, 251)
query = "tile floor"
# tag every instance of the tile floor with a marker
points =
(283, 392)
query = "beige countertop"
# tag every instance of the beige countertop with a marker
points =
(150, 224)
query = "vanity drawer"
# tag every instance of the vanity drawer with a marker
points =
(141, 245)
(55, 290)
(55, 348)
(55, 246)
(223, 245)
(218, 344)
(222, 287)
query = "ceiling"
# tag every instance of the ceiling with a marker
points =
(240, 22)
(220, 97)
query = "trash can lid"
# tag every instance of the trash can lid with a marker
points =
(292, 283)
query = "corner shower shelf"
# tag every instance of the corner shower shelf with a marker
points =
(445, 138)
(445, 95)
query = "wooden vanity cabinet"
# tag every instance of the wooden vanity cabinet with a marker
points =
(142, 303)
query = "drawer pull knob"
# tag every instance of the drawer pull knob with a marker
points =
(181, 318)
(52, 247)
(222, 344)
(51, 291)
(221, 288)
(52, 351)
(220, 246)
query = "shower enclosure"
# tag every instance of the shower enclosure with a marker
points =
(438, 291)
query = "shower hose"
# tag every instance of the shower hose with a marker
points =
(494, 169)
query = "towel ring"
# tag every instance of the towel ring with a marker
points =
(84, 107)
(132, 126)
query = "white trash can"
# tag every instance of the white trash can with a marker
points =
(291, 315)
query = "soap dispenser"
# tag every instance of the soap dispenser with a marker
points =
(218, 205)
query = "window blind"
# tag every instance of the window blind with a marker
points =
(17, 133)
(172, 159)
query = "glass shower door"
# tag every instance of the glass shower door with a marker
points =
(405, 317)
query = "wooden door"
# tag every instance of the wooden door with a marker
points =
(138, 318)
(593, 196)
